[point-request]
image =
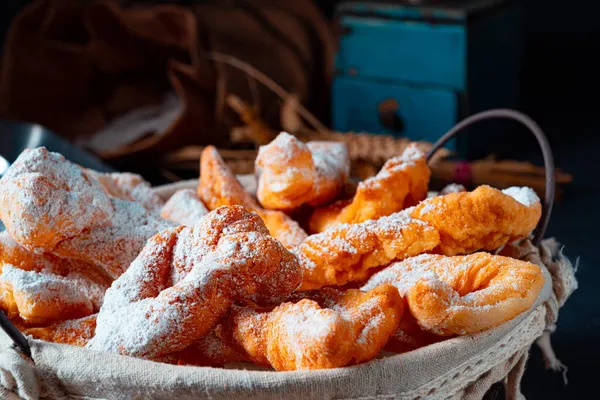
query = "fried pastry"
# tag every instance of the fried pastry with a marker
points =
(88, 261)
(410, 336)
(462, 295)
(14, 254)
(401, 183)
(292, 173)
(214, 350)
(184, 207)
(484, 219)
(335, 330)
(349, 253)
(186, 278)
(129, 187)
(219, 187)
(41, 288)
(50, 205)
(39, 298)
(76, 332)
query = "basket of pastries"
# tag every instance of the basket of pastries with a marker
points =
(289, 283)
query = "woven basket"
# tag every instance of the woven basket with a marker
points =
(459, 368)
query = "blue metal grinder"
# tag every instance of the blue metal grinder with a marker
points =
(415, 69)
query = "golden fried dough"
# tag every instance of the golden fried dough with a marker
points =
(186, 278)
(215, 350)
(219, 187)
(338, 329)
(42, 288)
(410, 336)
(401, 183)
(292, 173)
(129, 187)
(349, 253)
(76, 332)
(50, 205)
(463, 294)
(184, 207)
(484, 219)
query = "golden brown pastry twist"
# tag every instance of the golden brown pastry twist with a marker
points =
(186, 278)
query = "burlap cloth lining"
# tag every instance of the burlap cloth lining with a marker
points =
(459, 368)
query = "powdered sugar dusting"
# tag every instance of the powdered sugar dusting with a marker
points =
(49, 204)
(307, 325)
(452, 188)
(184, 207)
(184, 280)
(129, 187)
(219, 187)
(411, 154)
(76, 332)
(213, 347)
(404, 274)
(331, 159)
(147, 275)
(91, 290)
(469, 293)
(43, 195)
(370, 311)
(332, 256)
(523, 195)
(348, 238)
(286, 172)
(154, 326)
(320, 329)
(40, 288)
(292, 173)
(83, 276)
(408, 159)
(401, 182)
(428, 207)
(116, 243)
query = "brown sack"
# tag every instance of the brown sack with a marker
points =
(75, 66)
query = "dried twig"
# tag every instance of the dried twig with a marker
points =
(269, 83)
(255, 129)
(290, 121)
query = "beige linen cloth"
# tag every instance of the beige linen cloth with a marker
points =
(459, 368)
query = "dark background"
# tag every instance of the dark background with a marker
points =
(561, 85)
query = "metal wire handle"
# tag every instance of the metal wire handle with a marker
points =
(21, 341)
(544, 145)
(16, 336)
